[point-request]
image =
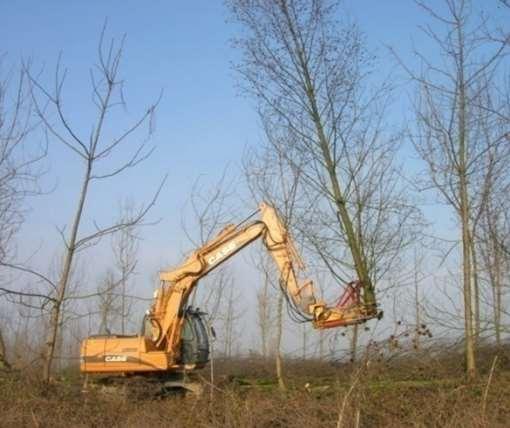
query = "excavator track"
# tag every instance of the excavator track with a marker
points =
(137, 387)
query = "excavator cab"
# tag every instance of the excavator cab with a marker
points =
(194, 338)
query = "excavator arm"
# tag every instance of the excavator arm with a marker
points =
(176, 285)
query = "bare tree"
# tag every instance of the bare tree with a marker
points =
(20, 159)
(93, 151)
(325, 117)
(271, 179)
(125, 249)
(264, 307)
(296, 64)
(108, 306)
(230, 315)
(212, 209)
(493, 181)
(19, 156)
(495, 261)
(309, 73)
(448, 136)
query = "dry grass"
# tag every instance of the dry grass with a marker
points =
(411, 391)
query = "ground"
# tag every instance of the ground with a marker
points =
(415, 390)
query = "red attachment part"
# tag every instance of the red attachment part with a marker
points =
(351, 295)
(348, 309)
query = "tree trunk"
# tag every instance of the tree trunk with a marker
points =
(468, 312)
(417, 312)
(229, 325)
(4, 364)
(264, 315)
(464, 209)
(278, 345)
(354, 244)
(123, 303)
(212, 338)
(103, 324)
(476, 289)
(354, 343)
(305, 337)
(321, 344)
(497, 295)
(493, 263)
(64, 278)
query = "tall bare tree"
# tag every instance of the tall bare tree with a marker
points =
(96, 151)
(323, 113)
(305, 71)
(448, 135)
(493, 229)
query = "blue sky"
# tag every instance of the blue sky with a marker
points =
(203, 125)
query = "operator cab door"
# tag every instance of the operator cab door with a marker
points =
(194, 338)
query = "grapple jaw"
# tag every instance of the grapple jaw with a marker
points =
(335, 317)
(349, 310)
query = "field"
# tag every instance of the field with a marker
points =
(418, 390)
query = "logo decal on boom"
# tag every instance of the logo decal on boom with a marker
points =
(222, 253)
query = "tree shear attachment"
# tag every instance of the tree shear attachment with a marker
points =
(348, 310)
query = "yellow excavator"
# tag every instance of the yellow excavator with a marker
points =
(175, 336)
